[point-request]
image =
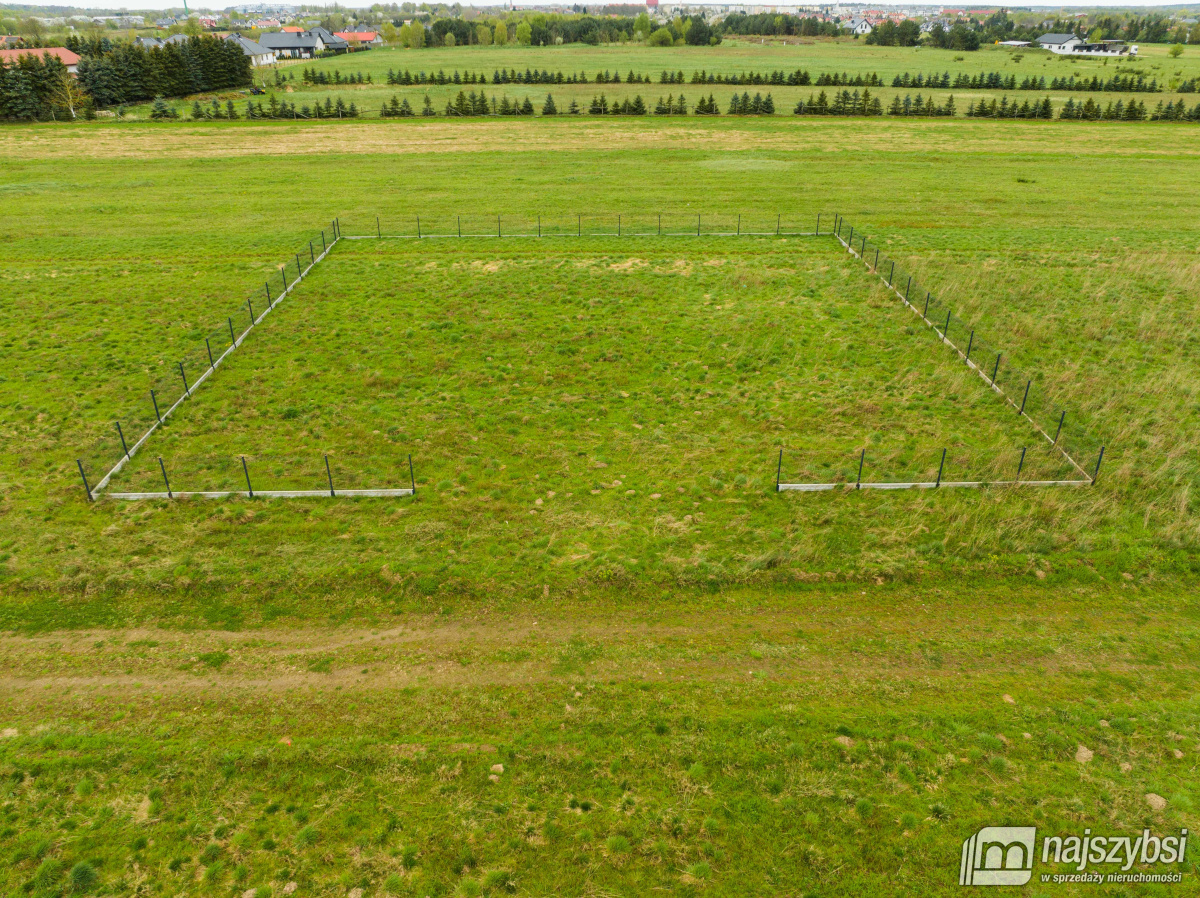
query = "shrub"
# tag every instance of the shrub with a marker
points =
(661, 38)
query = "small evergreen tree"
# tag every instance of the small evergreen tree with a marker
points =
(548, 108)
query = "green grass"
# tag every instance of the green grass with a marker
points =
(784, 695)
(816, 56)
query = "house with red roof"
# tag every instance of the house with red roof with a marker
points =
(361, 40)
(65, 56)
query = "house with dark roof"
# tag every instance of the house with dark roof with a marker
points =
(305, 45)
(1058, 43)
(259, 55)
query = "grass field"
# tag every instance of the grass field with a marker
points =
(816, 56)
(721, 691)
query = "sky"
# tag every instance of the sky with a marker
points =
(201, 5)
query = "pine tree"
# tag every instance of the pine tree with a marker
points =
(526, 107)
(428, 110)
(548, 108)
(768, 106)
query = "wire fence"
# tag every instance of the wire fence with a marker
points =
(674, 224)
(312, 473)
(107, 453)
(873, 466)
(1026, 392)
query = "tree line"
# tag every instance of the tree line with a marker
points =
(800, 77)
(127, 73)
(39, 88)
(1000, 81)
(313, 76)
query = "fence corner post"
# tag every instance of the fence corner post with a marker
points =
(87, 489)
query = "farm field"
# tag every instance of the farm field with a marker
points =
(817, 56)
(718, 691)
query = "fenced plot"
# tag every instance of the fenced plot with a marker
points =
(586, 367)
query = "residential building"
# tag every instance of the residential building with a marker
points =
(65, 56)
(259, 55)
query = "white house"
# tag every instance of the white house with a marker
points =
(1059, 43)
(859, 26)
(259, 55)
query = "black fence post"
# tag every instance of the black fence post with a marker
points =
(283, 277)
(539, 224)
(778, 224)
(697, 225)
(850, 241)
(87, 489)
(996, 369)
(818, 224)
(250, 304)
(312, 256)
(418, 227)
(154, 399)
(1096, 473)
(970, 343)
(163, 468)
(246, 471)
(778, 470)
(579, 226)
(659, 224)
(208, 346)
(875, 267)
(329, 474)
(122, 436)
(946, 328)
(324, 248)
(378, 228)
(268, 291)
(232, 338)
(909, 287)
(338, 222)
(299, 270)
(941, 466)
(411, 479)
(186, 388)
(1058, 433)
(891, 274)
(618, 224)
(1024, 398)
(498, 231)
(924, 310)
(739, 230)
(1021, 463)
(861, 459)
(460, 226)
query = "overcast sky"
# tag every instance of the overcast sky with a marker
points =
(174, 4)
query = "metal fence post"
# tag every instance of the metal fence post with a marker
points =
(579, 226)
(618, 224)
(1021, 463)
(1096, 473)
(246, 471)
(739, 230)
(283, 277)
(324, 248)
(87, 489)
(122, 436)
(186, 388)
(818, 224)
(875, 267)
(208, 346)
(697, 225)
(418, 227)
(163, 468)
(1058, 433)
(924, 310)
(659, 224)
(851, 240)
(891, 274)
(946, 328)
(498, 233)
(970, 343)
(252, 316)
(299, 270)
(778, 470)
(232, 338)
(539, 224)
(378, 229)
(1028, 384)
(154, 399)
(941, 465)
(267, 288)
(411, 479)
(909, 287)
(460, 226)
(329, 474)
(995, 369)
(861, 459)
(778, 224)
(312, 256)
